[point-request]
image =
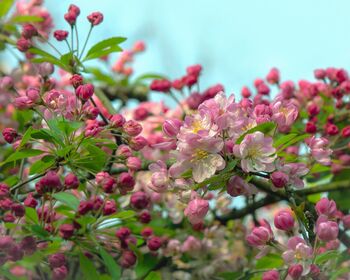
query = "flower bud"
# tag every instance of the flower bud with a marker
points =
(125, 182)
(30, 201)
(326, 207)
(320, 74)
(23, 102)
(346, 221)
(71, 17)
(194, 100)
(314, 271)
(46, 69)
(245, 92)
(139, 46)
(154, 243)
(6, 243)
(74, 9)
(4, 190)
(95, 18)
(123, 233)
(57, 260)
(66, 231)
(138, 143)
(9, 135)
(260, 235)
(171, 127)
(84, 92)
(145, 217)
(59, 273)
(76, 80)
(140, 114)
(279, 179)
(284, 221)
(28, 244)
(23, 44)
(160, 85)
(139, 200)
(71, 181)
(132, 128)
(133, 163)
(117, 120)
(127, 259)
(6, 83)
(159, 182)
(196, 210)
(48, 183)
(60, 35)
(346, 131)
(18, 209)
(295, 271)
(29, 31)
(146, 232)
(15, 253)
(85, 206)
(271, 275)
(33, 94)
(310, 127)
(109, 208)
(273, 77)
(326, 230)
(313, 110)
(332, 129)
(124, 151)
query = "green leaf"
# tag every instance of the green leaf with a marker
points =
(269, 261)
(113, 269)
(317, 168)
(31, 215)
(294, 141)
(94, 161)
(39, 231)
(5, 7)
(329, 255)
(99, 75)
(22, 154)
(142, 268)
(264, 128)
(67, 199)
(42, 165)
(46, 134)
(26, 18)
(88, 268)
(284, 139)
(26, 137)
(154, 275)
(46, 57)
(104, 47)
(69, 127)
(150, 76)
(230, 275)
(11, 180)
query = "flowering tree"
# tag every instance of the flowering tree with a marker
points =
(92, 189)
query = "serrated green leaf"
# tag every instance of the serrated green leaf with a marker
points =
(67, 199)
(22, 154)
(31, 215)
(113, 268)
(104, 47)
(88, 268)
(42, 165)
(263, 127)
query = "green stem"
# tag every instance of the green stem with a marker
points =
(87, 39)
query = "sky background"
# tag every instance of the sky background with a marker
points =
(235, 41)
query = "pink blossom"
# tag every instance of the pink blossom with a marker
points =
(191, 245)
(284, 220)
(326, 207)
(326, 230)
(284, 113)
(319, 150)
(196, 210)
(271, 275)
(160, 178)
(297, 250)
(260, 236)
(256, 153)
(295, 171)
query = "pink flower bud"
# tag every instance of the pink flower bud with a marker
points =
(332, 129)
(57, 260)
(74, 9)
(30, 201)
(85, 206)
(138, 143)
(196, 210)
(46, 69)
(133, 163)
(71, 17)
(310, 127)
(314, 270)
(139, 46)
(76, 80)
(146, 232)
(123, 233)
(159, 182)
(271, 275)
(260, 235)
(60, 35)
(59, 273)
(33, 94)
(9, 135)
(313, 110)
(109, 208)
(95, 18)
(117, 120)
(132, 128)
(124, 151)
(194, 69)
(279, 179)
(139, 200)
(23, 102)
(84, 92)
(171, 127)
(178, 84)
(194, 100)
(273, 77)
(6, 243)
(326, 207)
(28, 244)
(4, 190)
(326, 230)
(295, 271)
(346, 131)
(18, 209)
(15, 253)
(346, 221)
(140, 114)
(145, 217)
(320, 74)
(125, 182)
(263, 89)
(29, 31)
(160, 85)
(48, 183)
(245, 92)
(127, 259)
(154, 243)
(284, 221)
(6, 83)
(71, 181)
(66, 231)
(23, 44)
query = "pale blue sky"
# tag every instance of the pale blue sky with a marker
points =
(235, 41)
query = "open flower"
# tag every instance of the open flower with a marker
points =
(256, 153)
(319, 150)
